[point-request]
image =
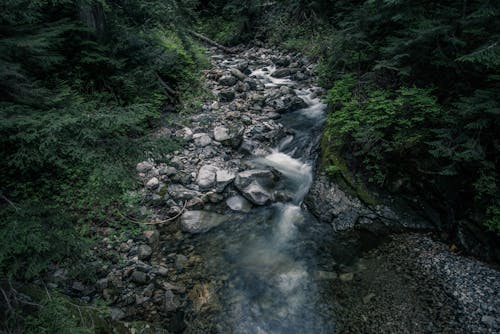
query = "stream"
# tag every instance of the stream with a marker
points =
(270, 261)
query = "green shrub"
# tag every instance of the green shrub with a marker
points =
(381, 126)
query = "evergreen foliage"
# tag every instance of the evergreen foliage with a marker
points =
(82, 84)
(415, 92)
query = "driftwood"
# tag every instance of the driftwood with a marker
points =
(211, 42)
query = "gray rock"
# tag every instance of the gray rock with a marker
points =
(263, 176)
(198, 221)
(223, 178)
(153, 183)
(186, 133)
(332, 205)
(281, 73)
(179, 192)
(202, 139)
(102, 284)
(161, 270)
(152, 237)
(238, 74)
(116, 314)
(180, 262)
(239, 203)
(286, 103)
(368, 297)
(221, 133)
(256, 193)
(206, 176)
(228, 80)
(243, 66)
(229, 136)
(194, 204)
(226, 95)
(488, 320)
(144, 252)
(171, 303)
(139, 277)
(169, 171)
(145, 166)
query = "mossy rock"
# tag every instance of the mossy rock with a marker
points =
(337, 169)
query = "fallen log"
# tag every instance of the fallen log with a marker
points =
(211, 42)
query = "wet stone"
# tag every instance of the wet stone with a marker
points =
(238, 203)
(198, 221)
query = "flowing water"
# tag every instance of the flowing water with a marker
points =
(269, 262)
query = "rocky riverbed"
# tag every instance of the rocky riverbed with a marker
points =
(235, 248)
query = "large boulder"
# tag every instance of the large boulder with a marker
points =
(199, 221)
(256, 193)
(264, 176)
(253, 185)
(207, 177)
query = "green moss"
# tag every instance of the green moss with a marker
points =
(336, 168)
(163, 191)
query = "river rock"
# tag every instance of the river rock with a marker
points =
(168, 171)
(262, 176)
(238, 74)
(223, 178)
(202, 139)
(228, 80)
(221, 133)
(229, 136)
(144, 252)
(171, 303)
(139, 277)
(207, 176)
(238, 203)
(226, 95)
(152, 237)
(179, 192)
(145, 166)
(198, 221)
(153, 183)
(286, 103)
(116, 314)
(281, 73)
(256, 193)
